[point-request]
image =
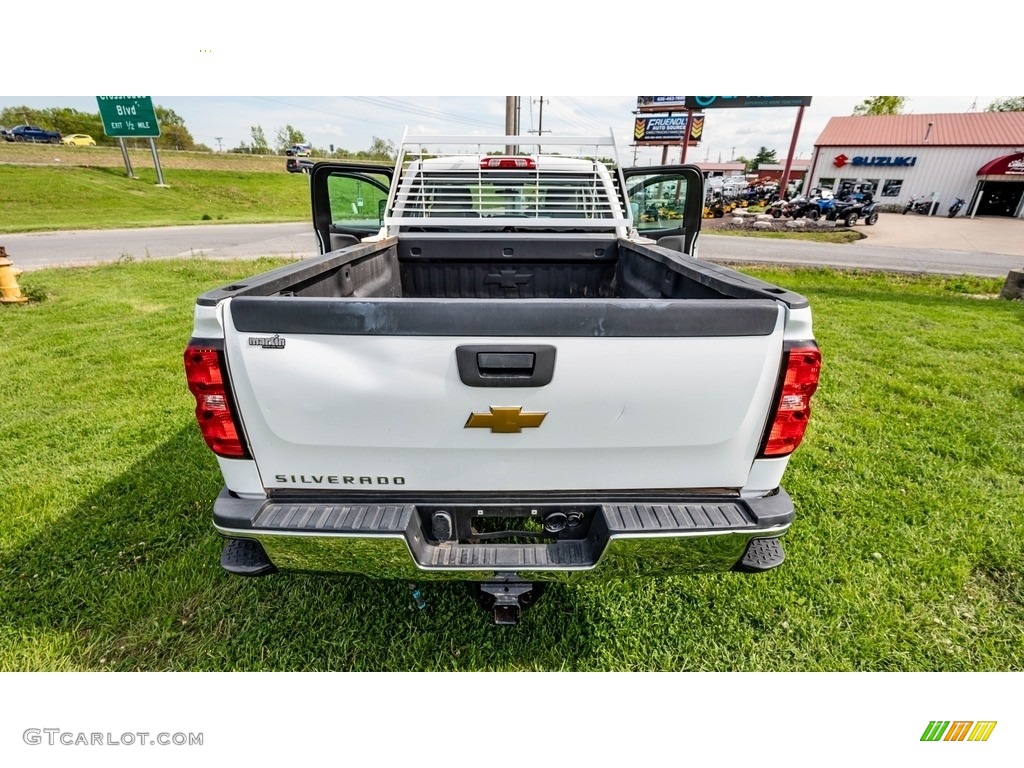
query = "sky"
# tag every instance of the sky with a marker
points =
(351, 122)
(225, 71)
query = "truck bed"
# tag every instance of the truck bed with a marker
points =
(515, 267)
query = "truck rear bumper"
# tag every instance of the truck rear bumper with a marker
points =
(610, 539)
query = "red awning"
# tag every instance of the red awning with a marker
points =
(1011, 165)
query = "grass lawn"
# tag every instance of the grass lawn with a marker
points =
(823, 236)
(102, 197)
(906, 553)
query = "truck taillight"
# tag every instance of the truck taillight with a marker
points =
(204, 372)
(515, 163)
(788, 422)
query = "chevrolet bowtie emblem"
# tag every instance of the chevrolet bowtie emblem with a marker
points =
(504, 419)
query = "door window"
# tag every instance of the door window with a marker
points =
(356, 200)
(657, 201)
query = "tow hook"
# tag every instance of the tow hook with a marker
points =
(506, 600)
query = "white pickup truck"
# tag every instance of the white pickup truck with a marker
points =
(507, 367)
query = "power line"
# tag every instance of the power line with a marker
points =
(411, 109)
(381, 103)
(593, 119)
(575, 123)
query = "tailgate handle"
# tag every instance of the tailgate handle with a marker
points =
(505, 365)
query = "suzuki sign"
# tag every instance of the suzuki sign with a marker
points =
(885, 160)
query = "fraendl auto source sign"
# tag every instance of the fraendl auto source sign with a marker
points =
(667, 129)
(128, 116)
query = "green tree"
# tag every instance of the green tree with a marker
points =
(881, 105)
(259, 140)
(173, 133)
(1012, 104)
(747, 163)
(69, 121)
(381, 149)
(764, 156)
(287, 136)
(11, 116)
(62, 119)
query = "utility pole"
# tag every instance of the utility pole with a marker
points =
(510, 122)
(217, 139)
(540, 120)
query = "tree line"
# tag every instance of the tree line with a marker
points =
(288, 136)
(894, 105)
(175, 135)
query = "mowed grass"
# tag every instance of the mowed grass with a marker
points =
(44, 198)
(905, 555)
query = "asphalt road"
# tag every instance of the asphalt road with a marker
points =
(222, 241)
(230, 241)
(860, 255)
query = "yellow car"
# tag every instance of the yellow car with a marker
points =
(79, 140)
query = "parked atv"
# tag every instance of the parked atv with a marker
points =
(716, 206)
(778, 208)
(850, 210)
(800, 206)
(822, 203)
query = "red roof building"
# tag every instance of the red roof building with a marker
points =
(977, 156)
(962, 129)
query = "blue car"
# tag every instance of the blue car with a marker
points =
(33, 133)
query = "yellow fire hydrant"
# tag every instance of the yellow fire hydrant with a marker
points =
(10, 291)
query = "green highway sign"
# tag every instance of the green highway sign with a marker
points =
(128, 116)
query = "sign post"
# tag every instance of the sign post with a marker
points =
(135, 117)
(127, 160)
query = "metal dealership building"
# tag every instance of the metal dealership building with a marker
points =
(977, 156)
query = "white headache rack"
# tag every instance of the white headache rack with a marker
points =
(476, 184)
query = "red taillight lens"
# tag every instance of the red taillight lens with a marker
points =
(204, 372)
(514, 163)
(793, 409)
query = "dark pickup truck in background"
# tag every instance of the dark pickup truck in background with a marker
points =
(32, 133)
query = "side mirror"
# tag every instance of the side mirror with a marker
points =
(381, 205)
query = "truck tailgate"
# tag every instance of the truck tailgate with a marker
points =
(330, 406)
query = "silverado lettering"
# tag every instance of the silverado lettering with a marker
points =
(338, 480)
(463, 297)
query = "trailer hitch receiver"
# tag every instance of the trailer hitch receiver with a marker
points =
(506, 600)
